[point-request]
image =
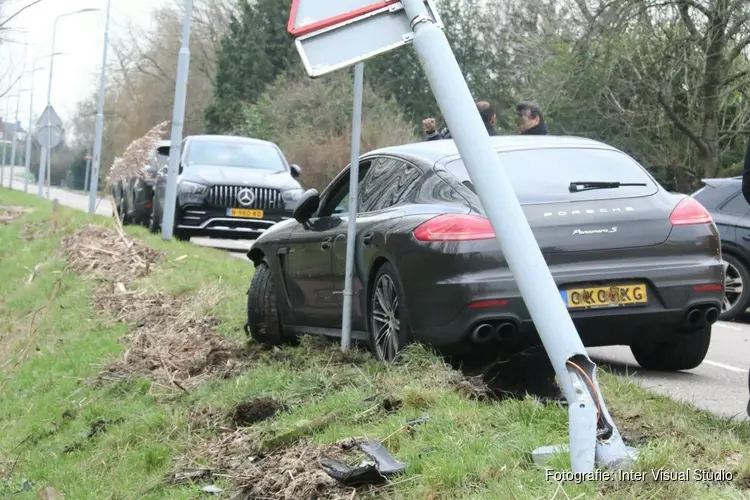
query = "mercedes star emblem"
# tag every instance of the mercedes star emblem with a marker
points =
(246, 197)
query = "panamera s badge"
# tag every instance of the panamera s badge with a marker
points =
(246, 197)
(595, 231)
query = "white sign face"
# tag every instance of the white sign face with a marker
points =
(49, 117)
(53, 134)
(360, 38)
(313, 15)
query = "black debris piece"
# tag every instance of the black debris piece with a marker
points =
(367, 472)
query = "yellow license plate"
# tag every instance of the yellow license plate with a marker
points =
(245, 213)
(605, 296)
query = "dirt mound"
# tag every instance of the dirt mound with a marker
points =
(254, 411)
(108, 254)
(10, 213)
(173, 340)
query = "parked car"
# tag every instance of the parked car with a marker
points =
(228, 187)
(635, 264)
(118, 200)
(138, 192)
(731, 213)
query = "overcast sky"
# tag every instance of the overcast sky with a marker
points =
(80, 37)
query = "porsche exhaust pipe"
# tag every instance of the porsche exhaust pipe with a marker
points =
(482, 333)
(712, 315)
(504, 330)
(693, 317)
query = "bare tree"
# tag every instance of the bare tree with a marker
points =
(140, 90)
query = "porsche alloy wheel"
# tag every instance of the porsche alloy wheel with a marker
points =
(388, 327)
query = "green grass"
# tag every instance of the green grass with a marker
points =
(467, 449)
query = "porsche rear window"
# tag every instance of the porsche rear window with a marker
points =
(544, 175)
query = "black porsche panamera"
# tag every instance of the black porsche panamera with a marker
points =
(635, 264)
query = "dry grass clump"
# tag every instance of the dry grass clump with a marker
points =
(108, 254)
(10, 213)
(289, 474)
(174, 340)
(136, 155)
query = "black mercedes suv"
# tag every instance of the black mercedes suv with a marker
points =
(228, 187)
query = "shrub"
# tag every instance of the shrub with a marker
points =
(311, 122)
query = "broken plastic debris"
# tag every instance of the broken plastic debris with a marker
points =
(420, 420)
(187, 475)
(367, 472)
(212, 489)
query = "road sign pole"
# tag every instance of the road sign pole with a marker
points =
(49, 166)
(351, 232)
(592, 439)
(86, 179)
(5, 143)
(178, 115)
(27, 159)
(96, 165)
(40, 177)
(13, 152)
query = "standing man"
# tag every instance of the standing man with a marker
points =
(529, 119)
(486, 111)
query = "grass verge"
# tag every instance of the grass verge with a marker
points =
(124, 373)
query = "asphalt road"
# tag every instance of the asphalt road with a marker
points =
(719, 385)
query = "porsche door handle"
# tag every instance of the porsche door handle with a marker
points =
(326, 244)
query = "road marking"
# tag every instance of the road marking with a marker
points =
(728, 326)
(725, 367)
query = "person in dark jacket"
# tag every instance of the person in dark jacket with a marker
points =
(529, 119)
(746, 176)
(486, 111)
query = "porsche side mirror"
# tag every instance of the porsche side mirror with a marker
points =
(296, 171)
(308, 204)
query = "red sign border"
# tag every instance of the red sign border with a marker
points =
(325, 23)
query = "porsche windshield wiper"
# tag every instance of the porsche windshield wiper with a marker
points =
(588, 185)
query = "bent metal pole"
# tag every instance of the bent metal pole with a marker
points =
(178, 115)
(593, 437)
(351, 232)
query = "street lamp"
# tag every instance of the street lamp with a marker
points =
(13, 137)
(15, 119)
(27, 162)
(48, 152)
(95, 164)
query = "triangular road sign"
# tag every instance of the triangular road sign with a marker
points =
(49, 117)
(307, 16)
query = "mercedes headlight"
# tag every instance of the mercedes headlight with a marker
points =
(293, 194)
(192, 188)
